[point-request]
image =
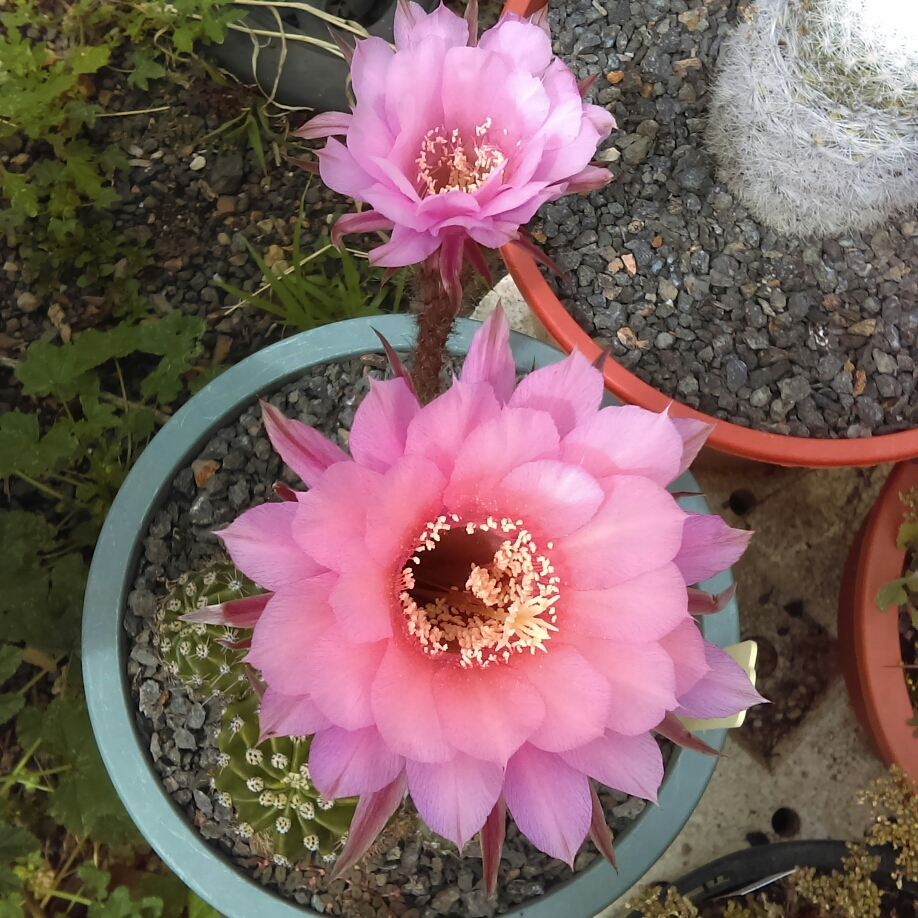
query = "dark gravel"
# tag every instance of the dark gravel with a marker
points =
(408, 874)
(809, 338)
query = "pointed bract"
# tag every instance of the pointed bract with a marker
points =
(492, 837)
(673, 730)
(701, 603)
(301, 447)
(236, 613)
(600, 833)
(489, 359)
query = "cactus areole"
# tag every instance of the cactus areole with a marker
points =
(105, 654)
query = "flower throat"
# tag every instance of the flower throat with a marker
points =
(481, 591)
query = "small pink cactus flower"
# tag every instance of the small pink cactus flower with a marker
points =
(487, 602)
(456, 141)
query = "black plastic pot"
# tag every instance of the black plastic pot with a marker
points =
(743, 868)
(309, 76)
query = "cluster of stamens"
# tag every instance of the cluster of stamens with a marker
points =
(504, 607)
(447, 163)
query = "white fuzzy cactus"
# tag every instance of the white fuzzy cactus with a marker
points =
(814, 113)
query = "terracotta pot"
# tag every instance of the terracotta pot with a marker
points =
(727, 438)
(868, 639)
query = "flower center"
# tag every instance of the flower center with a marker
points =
(482, 591)
(447, 162)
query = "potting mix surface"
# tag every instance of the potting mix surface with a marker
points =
(815, 338)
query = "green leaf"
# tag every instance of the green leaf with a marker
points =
(10, 705)
(16, 842)
(40, 603)
(88, 59)
(85, 802)
(56, 369)
(893, 593)
(9, 883)
(10, 658)
(144, 67)
(198, 908)
(200, 380)
(120, 905)
(23, 451)
(21, 192)
(908, 535)
(95, 879)
(11, 906)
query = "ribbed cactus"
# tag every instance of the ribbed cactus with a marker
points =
(191, 650)
(814, 113)
(268, 785)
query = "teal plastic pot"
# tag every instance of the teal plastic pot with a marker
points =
(199, 864)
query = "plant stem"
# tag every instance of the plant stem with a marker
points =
(434, 325)
(37, 484)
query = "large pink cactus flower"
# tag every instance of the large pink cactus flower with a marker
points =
(455, 142)
(487, 603)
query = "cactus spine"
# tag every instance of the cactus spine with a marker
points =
(814, 113)
(191, 651)
(277, 808)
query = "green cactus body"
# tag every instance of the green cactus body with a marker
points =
(190, 650)
(277, 807)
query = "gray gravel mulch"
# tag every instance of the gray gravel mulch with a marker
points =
(814, 338)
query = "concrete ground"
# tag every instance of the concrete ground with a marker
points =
(806, 754)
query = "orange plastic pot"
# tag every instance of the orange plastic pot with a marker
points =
(726, 438)
(868, 639)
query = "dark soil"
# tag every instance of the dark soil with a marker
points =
(410, 875)
(814, 339)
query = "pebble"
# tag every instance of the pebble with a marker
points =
(197, 164)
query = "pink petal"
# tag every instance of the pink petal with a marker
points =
(404, 707)
(709, 546)
(407, 15)
(600, 833)
(237, 613)
(262, 546)
(701, 603)
(454, 798)
(491, 451)
(364, 600)
(489, 358)
(723, 691)
(638, 529)
(439, 429)
(372, 58)
(673, 729)
(348, 763)
(405, 247)
(492, 836)
(589, 178)
(570, 391)
(631, 764)
(293, 621)
(487, 712)
(642, 679)
(693, 434)
(288, 715)
(332, 516)
(549, 801)
(686, 646)
(366, 221)
(645, 608)
(525, 46)
(626, 440)
(339, 676)
(324, 125)
(551, 497)
(442, 23)
(341, 172)
(377, 438)
(302, 447)
(410, 496)
(373, 812)
(576, 697)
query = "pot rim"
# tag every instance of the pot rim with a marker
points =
(887, 706)
(112, 710)
(778, 449)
